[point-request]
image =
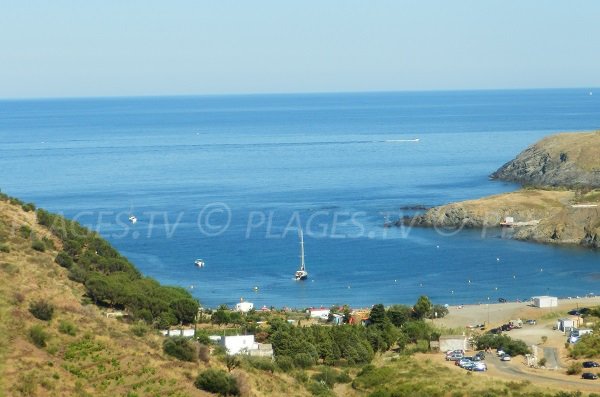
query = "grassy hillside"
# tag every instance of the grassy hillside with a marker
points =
(81, 352)
(86, 354)
(567, 159)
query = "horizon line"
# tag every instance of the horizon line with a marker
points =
(287, 93)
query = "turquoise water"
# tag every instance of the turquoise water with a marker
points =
(229, 178)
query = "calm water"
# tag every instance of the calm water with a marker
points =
(228, 179)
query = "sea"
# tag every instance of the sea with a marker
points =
(231, 179)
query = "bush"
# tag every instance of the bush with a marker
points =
(38, 245)
(41, 310)
(217, 381)
(25, 231)
(510, 346)
(285, 363)
(574, 369)
(67, 327)
(139, 329)
(64, 260)
(38, 336)
(304, 360)
(180, 348)
(327, 376)
(262, 363)
(542, 362)
(4, 248)
(28, 207)
(204, 353)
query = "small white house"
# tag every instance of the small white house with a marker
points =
(545, 301)
(186, 332)
(238, 343)
(453, 342)
(244, 307)
(565, 324)
(321, 313)
(245, 344)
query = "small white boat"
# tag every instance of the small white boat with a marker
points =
(133, 219)
(301, 274)
(199, 262)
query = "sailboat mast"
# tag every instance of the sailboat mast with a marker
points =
(301, 250)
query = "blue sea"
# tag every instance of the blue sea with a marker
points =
(229, 179)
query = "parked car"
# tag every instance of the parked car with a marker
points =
(589, 375)
(505, 357)
(464, 361)
(500, 352)
(479, 367)
(507, 327)
(454, 357)
(590, 364)
(468, 366)
(501, 300)
(480, 356)
(531, 322)
(496, 331)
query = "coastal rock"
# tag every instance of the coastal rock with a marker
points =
(544, 216)
(569, 160)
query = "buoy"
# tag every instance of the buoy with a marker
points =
(497, 259)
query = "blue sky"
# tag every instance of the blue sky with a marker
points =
(112, 48)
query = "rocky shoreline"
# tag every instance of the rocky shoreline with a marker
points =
(564, 208)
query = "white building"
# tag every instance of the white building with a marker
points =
(244, 307)
(453, 342)
(321, 313)
(245, 344)
(187, 332)
(565, 324)
(545, 301)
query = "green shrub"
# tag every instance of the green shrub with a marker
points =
(41, 310)
(64, 260)
(327, 376)
(304, 360)
(139, 329)
(25, 231)
(285, 363)
(262, 363)
(4, 248)
(344, 377)
(513, 347)
(217, 381)
(542, 362)
(38, 336)
(28, 207)
(180, 348)
(67, 327)
(574, 368)
(588, 346)
(38, 245)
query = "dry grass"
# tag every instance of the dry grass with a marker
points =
(582, 148)
(103, 358)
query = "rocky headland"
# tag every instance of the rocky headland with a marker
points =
(560, 201)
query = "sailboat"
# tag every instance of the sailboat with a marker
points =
(301, 274)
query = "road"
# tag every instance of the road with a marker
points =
(553, 379)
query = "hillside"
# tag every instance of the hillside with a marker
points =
(545, 216)
(559, 206)
(78, 351)
(568, 159)
(86, 353)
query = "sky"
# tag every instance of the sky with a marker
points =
(128, 48)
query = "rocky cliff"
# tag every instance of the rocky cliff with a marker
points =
(569, 159)
(563, 209)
